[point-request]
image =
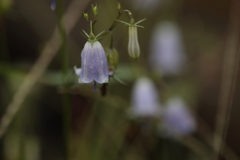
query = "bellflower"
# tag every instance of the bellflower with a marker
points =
(177, 119)
(93, 61)
(167, 53)
(145, 98)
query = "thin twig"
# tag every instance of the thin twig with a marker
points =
(73, 13)
(229, 77)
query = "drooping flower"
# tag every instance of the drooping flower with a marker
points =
(94, 64)
(167, 53)
(177, 120)
(93, 61)
(133, 45)
(145, 99)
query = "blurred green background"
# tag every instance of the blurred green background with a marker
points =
(57, 118)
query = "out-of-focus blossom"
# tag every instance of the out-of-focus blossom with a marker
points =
(149, 5)
(53, 5)
(145, 98)
(167, 54)
(177, 120)
(94, 64)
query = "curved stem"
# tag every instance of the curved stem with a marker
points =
(91, 28)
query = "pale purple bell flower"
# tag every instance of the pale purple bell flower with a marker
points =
(177, 120)
(94, 64)
(167, 51)
(145, 99)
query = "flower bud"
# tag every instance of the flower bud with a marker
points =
(85, 15)
(133, 45)
(95, 10)
(112, 57)
(118, 6)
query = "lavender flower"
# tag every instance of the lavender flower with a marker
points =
(94, 64)
(167, 54)
(145, 98)
(177, 119)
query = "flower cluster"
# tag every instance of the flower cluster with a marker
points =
(98, 65)
(174, 115)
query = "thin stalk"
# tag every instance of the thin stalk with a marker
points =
(64, 63)
(229, 77)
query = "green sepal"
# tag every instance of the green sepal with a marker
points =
(128, 24)
(99, 34)
(140, 21)
(119, 80)
(85, 33)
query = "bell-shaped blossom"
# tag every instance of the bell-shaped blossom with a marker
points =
(177, 120)
(167, 53)
(145, 99)
(94, 64)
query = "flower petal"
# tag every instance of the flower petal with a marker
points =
(77, 70)
(86, 56)
(101, 65)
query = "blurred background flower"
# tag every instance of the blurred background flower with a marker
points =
(145, 98)
(177, 120)
(167, 54)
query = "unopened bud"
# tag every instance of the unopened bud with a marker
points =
(95, 9)
(85, 15)
(133, 45)
(118, 6)
(112, 57)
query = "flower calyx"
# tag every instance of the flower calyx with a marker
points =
(132, 24)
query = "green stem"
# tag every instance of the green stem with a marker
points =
(129, 13)
(91, 28)
(115, 23)
(111, 41)
(64, 62)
